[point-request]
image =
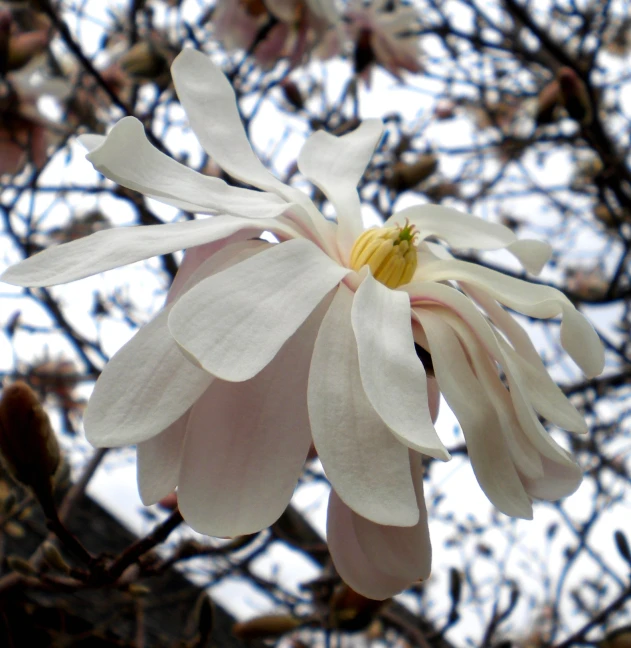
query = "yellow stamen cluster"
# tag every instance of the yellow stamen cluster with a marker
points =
(389, 251)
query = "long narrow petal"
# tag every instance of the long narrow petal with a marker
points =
(366, 465)
(463, 231)
(578, 337)
(247, 443)
(235, 322)
(335, 165)
(404, 552)
(144, 388)
(117, 247)
(544, 393)
(211, 108)
(488, 451)
(158, 462)
(128, 158)
(352, 564)
(392, 376)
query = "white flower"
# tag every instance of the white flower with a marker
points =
(262, 348)
(382, 32)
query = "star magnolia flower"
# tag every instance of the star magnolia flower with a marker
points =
(299, 26)
(382, 33)
(263, 348)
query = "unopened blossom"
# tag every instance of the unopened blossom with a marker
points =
(263, 348)
(382, 33)
(276, 29)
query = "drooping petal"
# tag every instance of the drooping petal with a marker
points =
(117, 247)
(335, 165)
(403, 552)
(147, 385)
(578, 337)
(544, 393)
(559, 480)
(251, 309)
(364, 462)
(463, 231)
(351, 563)
(128, 158)
(488, 451)
(392, 376)
(247, 443)
(158, 462)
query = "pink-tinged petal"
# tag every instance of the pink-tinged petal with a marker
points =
(393, 377)
(544, 393)
(578, 337)
(362, 459)
(127, 157)
(235, 322)
(147, 385)
(351, 563)
(558, 481)
(247, 443)
(403, 552)
(117, 247)
(335, 165)
(490, 456)
(463, 231)
(158, 462)
(527, 460)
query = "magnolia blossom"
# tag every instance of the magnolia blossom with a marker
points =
(276, 28)
(263, 348)
(382, 33)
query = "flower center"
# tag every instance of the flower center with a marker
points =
(389, 251)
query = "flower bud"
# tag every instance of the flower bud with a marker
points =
(23, 48)
(28, 444)
(54, 558)
(574, 96)
(547, 102)
(263, 627)
(292, 93)
(20, 566)
(144, 60)
(352, 611)
(406, 176)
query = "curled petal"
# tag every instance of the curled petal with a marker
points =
(393, 378)
(366, 465)
(128, 158)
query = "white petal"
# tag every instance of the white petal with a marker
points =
(577, 335)
(117, 247)
(544, 393)
(464, 231)
(210, 104)
(404, 552)
(392, 375)
(335, 165)
(366, 465)
(144, 388)
(350, 561)
(128, 158)
(235, 322)
(247, 443)
(488, 451)
(559, 480)
(158, 462)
